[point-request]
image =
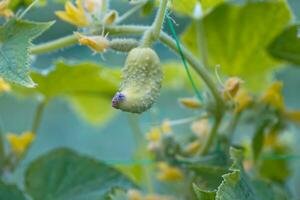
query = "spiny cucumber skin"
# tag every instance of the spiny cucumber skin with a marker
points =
(142, 78)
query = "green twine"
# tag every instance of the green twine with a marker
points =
(197, 92)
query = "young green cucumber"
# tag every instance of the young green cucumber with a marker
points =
(142, 78)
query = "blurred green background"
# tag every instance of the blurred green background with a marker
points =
(113, 140)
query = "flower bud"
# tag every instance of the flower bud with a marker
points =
(96, 43)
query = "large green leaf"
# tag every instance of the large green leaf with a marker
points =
(15, 40)
(287, 45)
(236, 37)
(209, 4)
(185, 7)
(238, 185)
(10, 192)
(88, 86)
(64, 175)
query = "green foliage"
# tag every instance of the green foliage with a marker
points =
(64, 175)
(184, 7)
(88, 86)
(237, 185)
(209, 4)
(287, 45)
(204, 195)
(10, 192)
(15, 40)
(15, 4)
(236, 38)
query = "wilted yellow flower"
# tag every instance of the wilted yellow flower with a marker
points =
(4, 10)
(74, 15)
(110, 17)
(190, 103)
(96, 43)
(193, 148)
(20, 143)
(231, 87)
(200, 128)
(273, 96)
(293, 116)
(242, 100)
(271, 139)
(4, 86)
(166, 127)
(154, 135)
(168, 173)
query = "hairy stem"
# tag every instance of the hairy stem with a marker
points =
(141, 151)
(153, 33)
(214, 130)
(38, 116)
(54, 45)
(159, 20)
(139, 30)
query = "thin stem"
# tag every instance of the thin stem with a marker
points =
(159, 20)
(141, 149)
(54, 45)
(130, 12)
(35, 125)
(232, 125)
(153, 33)
(38, 116)
(211, 135)
(139, 30)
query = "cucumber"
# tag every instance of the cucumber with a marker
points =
(142, 78)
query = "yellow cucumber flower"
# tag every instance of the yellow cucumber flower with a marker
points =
(168, 173)
(20, 143)
(231, 87)
(4, 10)
(200, 128)
(166, 127)
(96, 43)
(4, 86)
(191, 103)
(74, 14)
(273, 96)
(242, 99)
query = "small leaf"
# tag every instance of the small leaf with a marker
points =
(64, 175)
(287, 45)
(235, 38)
(15, 40)
(10, 192)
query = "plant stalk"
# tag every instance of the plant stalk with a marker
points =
(139, 30)
(153, 33)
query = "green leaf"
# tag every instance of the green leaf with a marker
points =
(204, 195)
(287, 45)
(184, 7)
(209, 4)
(88, 86)
(15, 40)
(235, 186)
(175, 77)
(268, 191)
(10, 192)
(235, 37)
(64, 175)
